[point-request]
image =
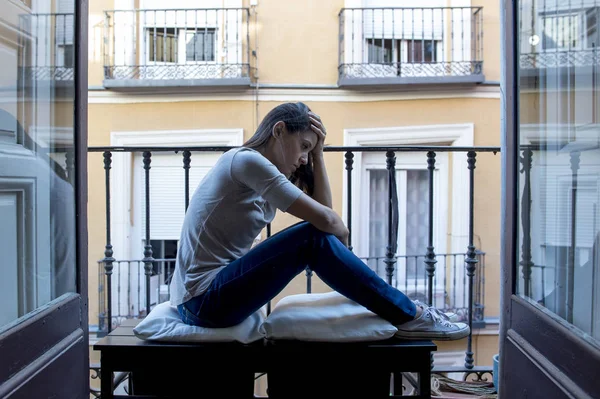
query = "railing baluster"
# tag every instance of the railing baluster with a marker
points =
(108, 249)
(139, 286)
(526, 259)
(430, 259)
(390, 259)
(148, 260)
(575, 160)
(187, 155)
(349, 162)
(471, 260)
(129, 307)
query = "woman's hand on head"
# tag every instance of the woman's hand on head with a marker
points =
(317, 126)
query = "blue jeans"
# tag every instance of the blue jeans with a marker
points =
(248, 283)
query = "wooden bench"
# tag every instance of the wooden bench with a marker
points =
(294, 369)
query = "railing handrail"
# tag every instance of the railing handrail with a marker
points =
(405, 148)
(139, 260)
(47, 14)
(478, 252)
(179, 9)
(477, 8)
(412, 8)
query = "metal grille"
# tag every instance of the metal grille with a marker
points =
(558, 59)
(164, 72)
(433, 42)
(397, 69)
(176, 44)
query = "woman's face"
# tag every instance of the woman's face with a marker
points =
(292, 150)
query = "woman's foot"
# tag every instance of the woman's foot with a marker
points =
(431, 323)
(452, 317)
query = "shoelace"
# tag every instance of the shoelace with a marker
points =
(436, 314)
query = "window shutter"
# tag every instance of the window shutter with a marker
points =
(402, 24)
(64, 23)
(167, 192)
(555, 201)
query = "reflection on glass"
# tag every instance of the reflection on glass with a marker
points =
(37, 210)
(559, 183)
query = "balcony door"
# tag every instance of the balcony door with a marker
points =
(43, 239)
(412, 179)
(550, 336)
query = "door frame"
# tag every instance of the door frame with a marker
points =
(38, 348)
(548, 348)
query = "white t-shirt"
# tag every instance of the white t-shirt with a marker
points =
(230, 207)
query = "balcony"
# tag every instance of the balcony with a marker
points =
(557, 44)
(49, 57)
(451, 281)
(166, 48)
(400, 46)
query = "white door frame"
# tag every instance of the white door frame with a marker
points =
(407, 161)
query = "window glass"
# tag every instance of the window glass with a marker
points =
(200, 45)
(162, 45)
(559, 181)
(37, 208)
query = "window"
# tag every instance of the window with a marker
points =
(37, 194)
(67, 55)
(559, 182)
(424, 51)
(571, 31)
(414, 204)
(163, 251)
(561, 31)
(174, 45)
(388, 51)
(382, 51)
(200, 45)
(162, 45)
(592, 32)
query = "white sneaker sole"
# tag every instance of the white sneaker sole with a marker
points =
(434, 335)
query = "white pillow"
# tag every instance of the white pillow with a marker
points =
(326, 317)
(164, 324)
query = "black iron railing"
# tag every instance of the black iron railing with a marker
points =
(466, 276)
(560, 59)
(421, 43)
(176, 44)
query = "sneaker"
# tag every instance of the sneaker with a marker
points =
(432, 324)
(451, 316)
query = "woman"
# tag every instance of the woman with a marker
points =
(219, 280)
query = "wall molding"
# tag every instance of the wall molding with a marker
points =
(298, 94)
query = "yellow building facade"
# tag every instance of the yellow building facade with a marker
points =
(377, 72)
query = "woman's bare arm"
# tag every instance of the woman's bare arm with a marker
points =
(322, 190)
(320, 216)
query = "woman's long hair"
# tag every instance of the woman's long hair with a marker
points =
(295, 117)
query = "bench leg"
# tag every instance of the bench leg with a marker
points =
(425, 384)
(107, 386)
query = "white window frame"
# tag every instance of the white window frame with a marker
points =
(122, 188)
(457, 135)
(180, 35)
